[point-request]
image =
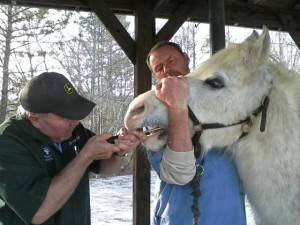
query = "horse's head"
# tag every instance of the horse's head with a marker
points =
(225, 90)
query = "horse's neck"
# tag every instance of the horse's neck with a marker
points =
(281, 131)
(268, 162)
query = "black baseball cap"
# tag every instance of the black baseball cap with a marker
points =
(52, 92)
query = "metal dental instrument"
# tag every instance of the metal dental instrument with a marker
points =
(146, 131)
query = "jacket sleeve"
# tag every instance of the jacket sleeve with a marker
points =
(177, 167)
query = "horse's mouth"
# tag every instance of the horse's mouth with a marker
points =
(150, 131)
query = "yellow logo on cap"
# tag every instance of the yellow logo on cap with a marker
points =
(69, 88)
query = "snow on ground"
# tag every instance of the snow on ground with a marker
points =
(111, 200)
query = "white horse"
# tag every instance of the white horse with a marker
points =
(226, 89)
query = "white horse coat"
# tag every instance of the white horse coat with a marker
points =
(226, 89)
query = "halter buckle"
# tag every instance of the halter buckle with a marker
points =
(198, 127)
(247, 126)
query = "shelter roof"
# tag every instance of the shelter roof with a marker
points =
(244, 13)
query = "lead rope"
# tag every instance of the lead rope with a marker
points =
(198, 127)
(199, 168)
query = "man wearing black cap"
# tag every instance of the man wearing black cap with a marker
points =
(46, 155)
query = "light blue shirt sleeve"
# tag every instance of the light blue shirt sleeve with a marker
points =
(222, 201)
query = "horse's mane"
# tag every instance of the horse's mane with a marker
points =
(288, 80)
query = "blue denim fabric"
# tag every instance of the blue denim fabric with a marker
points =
(222, 201)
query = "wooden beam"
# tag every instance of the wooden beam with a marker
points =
(124, 6)
(275, 3)
(217, 25)
(175, 21)
(144, 33)
(292, 27)
(242, 13)
(114, 26)
(159, 5)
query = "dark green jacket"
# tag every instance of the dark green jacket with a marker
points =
(28, 162)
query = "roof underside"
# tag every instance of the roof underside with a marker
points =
(244, 13)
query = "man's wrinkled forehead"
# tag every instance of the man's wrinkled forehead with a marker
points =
(162, 54)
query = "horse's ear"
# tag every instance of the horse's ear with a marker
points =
(262, 45)
(259, 50)
(252, 38)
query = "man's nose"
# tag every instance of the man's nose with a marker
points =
(166, 69)
(168, 72)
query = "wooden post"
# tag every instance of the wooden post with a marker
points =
(144, 33)
(217, 25)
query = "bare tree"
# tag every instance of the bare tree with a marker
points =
(99, 69)
(7, 33)
(188, 38)
(22, 30)
(285, 49)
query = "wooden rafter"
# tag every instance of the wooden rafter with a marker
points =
(292, 27)
(114, 26)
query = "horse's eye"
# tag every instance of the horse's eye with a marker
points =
(217, 83)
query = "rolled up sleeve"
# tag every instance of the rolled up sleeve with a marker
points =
(177, 167)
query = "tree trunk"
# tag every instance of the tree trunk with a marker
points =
(5, 79)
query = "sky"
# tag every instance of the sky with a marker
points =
(111, 200)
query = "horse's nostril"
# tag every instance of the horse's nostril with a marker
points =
(138, 110)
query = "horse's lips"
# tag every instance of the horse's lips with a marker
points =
(149, 131)
(157, 133)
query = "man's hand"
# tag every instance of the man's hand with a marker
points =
(128, 140)
(98, 148)
(174, 91)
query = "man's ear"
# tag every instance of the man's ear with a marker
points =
(34, 119)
